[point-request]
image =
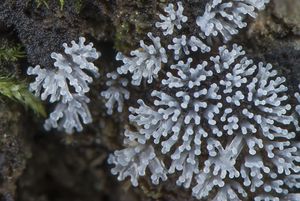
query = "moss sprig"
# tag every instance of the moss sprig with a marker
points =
(11, 53)
(18, 91)
(45, 3)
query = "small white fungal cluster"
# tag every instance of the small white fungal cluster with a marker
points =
(116, 93)
(297, 108)
(223, 124)
(174, 18)
(226, 17)
(186, 45)
(66, 85)
(135, 160)
(145, 62)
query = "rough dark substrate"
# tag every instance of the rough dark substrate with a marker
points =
(35, 166)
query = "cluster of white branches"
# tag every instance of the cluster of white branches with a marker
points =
(251, 110)
(145, 62)
(173, 19)
(116, 92)
(223, 18)
(66, 85)
(226, 17)
(222, 125)
(225, 123)
(134, 161)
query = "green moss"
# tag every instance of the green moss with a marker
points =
(150, 192)
(18, 91)
(11, 88)
(135, 19)
(125, 41)
(45, 3)
(11, 53)
(120, 43)
(62, 3)
(77, 4)
(41, 2)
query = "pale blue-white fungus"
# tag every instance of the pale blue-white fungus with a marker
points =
(226, 17)
(297, 112)
(133, 162)
(66, 85)
(116, 93)
(212, 115)
(223, 125)
(220, 18)
(144, 62)
(68, 116)
(174, 18)
(184, 45)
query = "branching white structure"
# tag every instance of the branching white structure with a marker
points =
(174, 18)
(67, 115)
(226, 17)
(223, 125)
(134, 161)
(116, 93)
(232, 110)
(297, 112)
(66, 85)
(145, 62)
(221, 17)
(183, 45)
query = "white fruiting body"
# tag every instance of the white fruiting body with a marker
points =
(133, 162)
(232, 110)
(67, 85)
(221, 17)
(183, 45)
(145, 62)
(67, 115)
(226, 17)
(223, 124)
(116, 93)
(174, 18)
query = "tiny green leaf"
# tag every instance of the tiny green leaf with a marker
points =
(11, 53)
(40, 2)
(62, 3)
(18, 91)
